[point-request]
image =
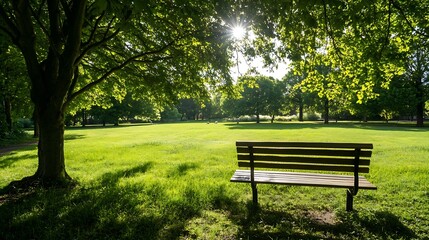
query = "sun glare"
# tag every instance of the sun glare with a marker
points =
(238, 32)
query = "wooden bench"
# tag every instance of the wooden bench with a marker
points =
(324, 160)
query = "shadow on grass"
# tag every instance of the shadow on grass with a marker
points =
(113, 178)
(108, 126)
(10, 159)
(68, 136)
(6, 150)
(148, 210)
(316, 125)
(305, 224)
(107, 210)
(182, 169)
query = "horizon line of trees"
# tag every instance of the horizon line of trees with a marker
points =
(257, 96)
(254, 96)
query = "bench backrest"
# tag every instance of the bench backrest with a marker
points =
(317, 156)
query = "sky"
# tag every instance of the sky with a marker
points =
(238, 32)
(244, 66)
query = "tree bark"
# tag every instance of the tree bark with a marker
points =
(420, 114)
(8, 113)
(51, 168)
(420, 107)
(84, 118)
(326, 115)
(36, 124)
(301, 110)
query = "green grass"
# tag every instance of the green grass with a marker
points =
(171, 181)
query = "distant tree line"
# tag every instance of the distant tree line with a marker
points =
(255, 96)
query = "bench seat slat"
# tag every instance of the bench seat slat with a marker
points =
(304, 152)
(306, 144)
(314, 167)
(326, 160)
(302, 179)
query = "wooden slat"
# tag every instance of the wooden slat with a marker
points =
(327, 160)
(313, 167)
(305, 152)
(305, 144)
(302, 179)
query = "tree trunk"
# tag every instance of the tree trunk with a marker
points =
(420, 107)
(301, 112)
(257, 118)
(51, 168)
(84, 118)
(8, 113)
(326, 115)
(420, 113)
(272, 118)
(36, 124)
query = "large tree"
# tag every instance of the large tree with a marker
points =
(259, 95)
(160, 48)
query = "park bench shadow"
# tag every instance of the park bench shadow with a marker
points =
(269, 224)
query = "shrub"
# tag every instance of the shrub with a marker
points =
(312, 116)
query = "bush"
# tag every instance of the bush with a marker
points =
(312, 116)
(24, 123)
(247, 118)
(170, 115)
(287, 118)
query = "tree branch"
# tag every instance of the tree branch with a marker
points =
(73, 84)
(117, 68)
(72, 47)
(109, 26)
(157, 59)
(410, 25)
(54, 25)
(329, 31)
(96, 44)
(91, 36)
(26, 41)
(387, 37)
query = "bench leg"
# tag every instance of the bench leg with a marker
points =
(349, 204)
(254, 193)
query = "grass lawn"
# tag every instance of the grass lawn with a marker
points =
(171, 181)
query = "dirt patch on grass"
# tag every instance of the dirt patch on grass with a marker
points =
(322, 217)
